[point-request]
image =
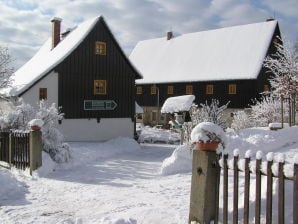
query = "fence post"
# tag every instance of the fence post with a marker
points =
(35, 143)
(204, 187)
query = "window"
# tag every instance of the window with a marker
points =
(100, 87)
(170, 90)
(232, 89)
(153, 90)
(43, 93)
(188, 89)
(209, 89)
(266, 88)
(100, 48)
(139, 90)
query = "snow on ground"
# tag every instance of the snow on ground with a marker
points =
(122, 182)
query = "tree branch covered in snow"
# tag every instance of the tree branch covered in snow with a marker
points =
(266, 110)
(6, 70)
(51, 137)
(284, 66)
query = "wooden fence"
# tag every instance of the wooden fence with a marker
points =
(244, 167)
(15, 149)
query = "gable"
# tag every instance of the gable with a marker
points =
(45, 60)
(223, 54)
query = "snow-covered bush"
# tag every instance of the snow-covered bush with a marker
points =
(241, 120)
(266, 110)
(51, 137)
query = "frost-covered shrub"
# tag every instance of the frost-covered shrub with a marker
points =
(241, 120)
(18, 118)
(266, 110)
(52, 139)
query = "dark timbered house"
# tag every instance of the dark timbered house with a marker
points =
(85, 72)
(224, 64)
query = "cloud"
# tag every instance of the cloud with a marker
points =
(25, 24)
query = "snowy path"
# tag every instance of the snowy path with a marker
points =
(123, 188)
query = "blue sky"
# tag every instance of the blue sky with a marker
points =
(25, 24)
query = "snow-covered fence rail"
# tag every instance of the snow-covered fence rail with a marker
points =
(21, 149)
(277, 172)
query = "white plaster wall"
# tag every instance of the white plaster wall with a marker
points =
(90, 130)
(51, 83)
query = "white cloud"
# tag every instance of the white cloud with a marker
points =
(25, 26)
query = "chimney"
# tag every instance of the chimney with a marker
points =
(270, 19)
(169, 35)
(56, 27)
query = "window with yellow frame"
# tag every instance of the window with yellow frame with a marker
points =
(100, 87)
(100, 48)
(170, 90)
(188, 89)
(153, 90)
(209, 89)
(139, 90)
(232, 89)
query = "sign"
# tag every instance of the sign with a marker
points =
(99, 104)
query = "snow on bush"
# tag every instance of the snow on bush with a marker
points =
(52, 139)
(241, 120)
(266, 110)
(179, 162)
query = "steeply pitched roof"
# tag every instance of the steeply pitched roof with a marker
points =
(222, 54)
(45, 60)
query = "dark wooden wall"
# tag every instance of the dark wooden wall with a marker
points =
(78, 71)
(246, 90)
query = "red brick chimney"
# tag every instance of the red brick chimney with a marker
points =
(56, 27)
(169, 35)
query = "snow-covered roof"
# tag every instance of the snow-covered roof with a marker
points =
(177, 104)
(222, 54)
(47, 58)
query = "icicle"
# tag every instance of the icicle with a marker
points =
(248, 154)
(281, 158)
(270, 156)
(259, 155)
(236, 152)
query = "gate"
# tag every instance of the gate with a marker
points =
(15, 149)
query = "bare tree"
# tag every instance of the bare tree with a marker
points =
(6, 70)
(284, 67)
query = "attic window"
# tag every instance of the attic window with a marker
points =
(100, 87)
(232, 89)
(43, 93)
(170, 90)
(209, 89)
(139, 90)
(100, 48)
(188, 89)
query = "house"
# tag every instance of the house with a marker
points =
(86, 73)
(224, 64)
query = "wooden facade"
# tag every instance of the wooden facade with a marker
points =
(84, 65)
